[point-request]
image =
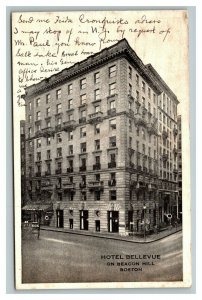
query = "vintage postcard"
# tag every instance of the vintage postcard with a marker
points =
(101, 149)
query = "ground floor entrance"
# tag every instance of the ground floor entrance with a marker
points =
(59, 218)
(113, 221)
(84, 219)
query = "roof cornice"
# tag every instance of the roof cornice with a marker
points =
(119, 50)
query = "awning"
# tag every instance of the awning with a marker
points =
(38, 207)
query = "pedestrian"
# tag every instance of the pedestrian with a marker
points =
(38, 230)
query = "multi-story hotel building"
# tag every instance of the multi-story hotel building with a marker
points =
(101, 145)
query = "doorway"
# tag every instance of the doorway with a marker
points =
(97, 225)
(60, 218)
(84, 219)
(113, 221)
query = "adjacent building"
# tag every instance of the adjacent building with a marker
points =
(101, 145)
(22, 160)
(179, 212)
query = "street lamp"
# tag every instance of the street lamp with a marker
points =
(144, 208)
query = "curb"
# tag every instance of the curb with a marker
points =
(112, 237)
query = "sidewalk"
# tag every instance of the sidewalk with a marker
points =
(133, 239)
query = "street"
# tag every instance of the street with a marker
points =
(61, 257)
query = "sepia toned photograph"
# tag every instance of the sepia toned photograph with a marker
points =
(101, 147)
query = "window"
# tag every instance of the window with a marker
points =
(38, 115)
(71, 151)
(149, 93)
(112, 88)
(83, 99)
(112, 195)
(143, 101)
(143, 134)
(130, 142)
(97, 144)
(83, 196)
(97, 77)
(130, 72)
(129, 105)
(130, 125)
(48, 154)
(83, 147)
(97, 160)
(48, 140)
(48, 112)
(143, 148)
(154, 112)
(137, 79)
(112, 104)
(97, 128)
(138, 131)
(70, 104)
(38, 143)
(69, 89)
(143, 86)
(154, 98)
(70, 135)
(97, 177)
(30, 118)
(58, 94)
(97, 108)
(112, 124)
(83, 132)
(58, 108)
(59, 138)
(48, 123)
(160, 116)
(38, 101)
(83, 83)
(113, 157)
(112, 71)
(149, 107)
(70, 117)
(137, 95)
(112, 141)
(38, 156)
(47, 98)
(97, 195)
(59, 152)
(97, 94)
(129, 89)
(38, 127)
(30, 105)
(58, 121)
(83, 114)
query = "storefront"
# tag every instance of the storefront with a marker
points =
(41, 213)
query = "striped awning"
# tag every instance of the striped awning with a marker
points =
(38, 207)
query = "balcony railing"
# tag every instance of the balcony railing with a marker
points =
(82, 168)
(111, 112)
(131, 165)
(152, 129)
(139, 168)
(95, 117)
(130, 96)
(131, 151)
(70, 170)
(48, 131)
(82, 185)
(69, 125)
(140, 120)
(165, 157)
(38, 174)
(112, 182)
(175, 131)
(82, 120)
(131, 113)
(165, 134)
(175, 151)
(175, 171)
(47, 173)
(112, 164)
(58, 127)
(68, 186)
(96, 185)
(46, 186)
(58, 171)
(145, 170)
(97, 166)
(38, 133)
